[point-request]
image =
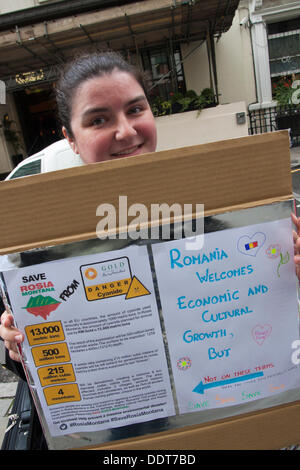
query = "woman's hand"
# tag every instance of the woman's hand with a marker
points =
(296, 237)
(11, 335)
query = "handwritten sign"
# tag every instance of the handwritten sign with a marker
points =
(231, 314)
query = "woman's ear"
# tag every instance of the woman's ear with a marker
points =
(70, 140)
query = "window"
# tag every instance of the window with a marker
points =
(284, 47)
(31, 168)
(165, 70)
(284, 54)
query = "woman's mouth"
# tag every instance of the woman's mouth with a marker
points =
(128, 151)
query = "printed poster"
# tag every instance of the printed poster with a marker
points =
(93, 346)
(231, 315)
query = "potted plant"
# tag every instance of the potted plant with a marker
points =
(179, 102)
(209, 97)
(287, 113)
(282, 91)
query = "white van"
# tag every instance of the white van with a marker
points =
(57, 156)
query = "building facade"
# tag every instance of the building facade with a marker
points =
(162, 37)
(275, 33)
(247, 50)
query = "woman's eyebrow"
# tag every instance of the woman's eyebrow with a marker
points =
(136, 99)
(90, 111)
(104, 109)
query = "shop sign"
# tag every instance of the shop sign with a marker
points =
(29, 77)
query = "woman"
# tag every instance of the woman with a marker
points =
(104, 109)
(105, 114)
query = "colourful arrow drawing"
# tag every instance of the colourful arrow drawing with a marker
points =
(201, 387)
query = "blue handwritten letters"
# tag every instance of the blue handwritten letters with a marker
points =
(225, 311)
(179, 261)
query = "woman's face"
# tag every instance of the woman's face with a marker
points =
(111, 118)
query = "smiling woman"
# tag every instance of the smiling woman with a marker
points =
(104, 109)
(105, 115)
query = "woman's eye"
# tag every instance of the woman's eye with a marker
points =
(98, 122)
(135, 110)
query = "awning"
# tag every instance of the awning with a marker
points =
(32, 53)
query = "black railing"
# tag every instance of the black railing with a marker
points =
(276, 118)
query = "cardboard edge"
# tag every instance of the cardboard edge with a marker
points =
(268, 429)
(16, 234)
(152, 158)
(93, 235)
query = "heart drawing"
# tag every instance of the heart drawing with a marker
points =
(251, 245)
(260, 333)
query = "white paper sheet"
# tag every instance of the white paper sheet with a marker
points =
(93, 344)
(231, 315)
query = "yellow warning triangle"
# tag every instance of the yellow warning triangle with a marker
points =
(136, 289)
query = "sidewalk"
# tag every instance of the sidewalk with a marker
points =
(8, 386)
(295, 156)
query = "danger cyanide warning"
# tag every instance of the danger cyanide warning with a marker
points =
(111, 278)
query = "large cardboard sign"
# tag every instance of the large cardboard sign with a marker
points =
(191, 345)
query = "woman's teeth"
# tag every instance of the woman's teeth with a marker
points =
(126, 152)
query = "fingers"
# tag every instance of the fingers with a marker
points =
(7, 319)
(296, 239)
(14, 356)
(294, 217)
(11, 335)
(8, 331)
(296, 222)
(13, 350)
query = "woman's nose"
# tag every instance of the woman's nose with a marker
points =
(124, 128)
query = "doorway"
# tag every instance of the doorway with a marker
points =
(36, 108)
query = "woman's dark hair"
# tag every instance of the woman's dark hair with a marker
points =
(83, 68)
